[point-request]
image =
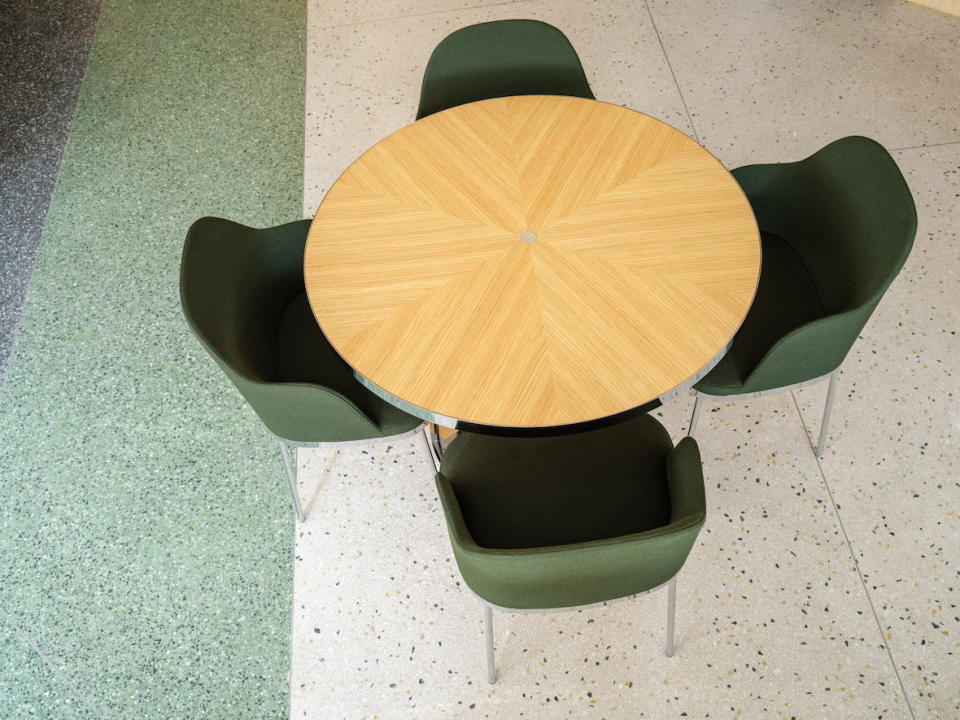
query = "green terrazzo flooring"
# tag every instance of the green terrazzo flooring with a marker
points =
(145, 526)
(28, 681)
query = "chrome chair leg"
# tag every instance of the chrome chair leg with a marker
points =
(430, 448)
(437, 443)
(671, 614)
(697, 404)
(488, 628)
(828, 406)
(291, 476)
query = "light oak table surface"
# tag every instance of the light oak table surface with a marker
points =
(531, 262)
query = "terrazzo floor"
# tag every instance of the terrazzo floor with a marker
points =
(43, 56)
(145, 534)
(818, 588)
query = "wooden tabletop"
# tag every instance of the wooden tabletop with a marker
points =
(532, 261)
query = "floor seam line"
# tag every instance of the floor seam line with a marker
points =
(423, 14)
(923, 147)
(666, 57)
(856, 563)
(30, 643)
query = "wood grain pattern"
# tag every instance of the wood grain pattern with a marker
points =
(951, 7)
(645, 261)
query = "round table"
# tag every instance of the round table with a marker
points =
(532, 262)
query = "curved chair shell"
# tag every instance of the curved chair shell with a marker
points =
(243, 295)
(500, 59)
(575, 520)
(836, 228)
(242, 292)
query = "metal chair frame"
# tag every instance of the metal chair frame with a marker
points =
(489, 607)
(827, 408)
(288, 447)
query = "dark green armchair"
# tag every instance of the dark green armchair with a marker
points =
(500, 59)
(243, 295)
(573, 520)
(835, 229)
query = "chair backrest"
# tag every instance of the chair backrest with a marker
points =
(846, 210)
(235, 282)
(848, 213)
(500, 59)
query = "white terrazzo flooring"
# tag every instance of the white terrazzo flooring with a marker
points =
(817, 588)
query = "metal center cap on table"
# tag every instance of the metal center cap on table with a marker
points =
(638, 260)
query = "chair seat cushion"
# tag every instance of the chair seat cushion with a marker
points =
(786, 299)
(539, 492)
(304, 355)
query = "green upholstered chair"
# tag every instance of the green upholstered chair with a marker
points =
(835, 229)
(499, 59)
(572, 520)
(243, 295)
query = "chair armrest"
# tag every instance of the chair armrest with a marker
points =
(808, 352)
(688, 502)
(587, 572)
(459, 533)
(304, 412)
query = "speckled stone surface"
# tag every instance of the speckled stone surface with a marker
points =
(145, 526)
(29, 685)
(43, 55)
(780, 79)
(772, 617)
(817, 589)
(329, 13)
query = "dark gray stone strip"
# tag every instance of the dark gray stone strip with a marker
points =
(44, 46)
